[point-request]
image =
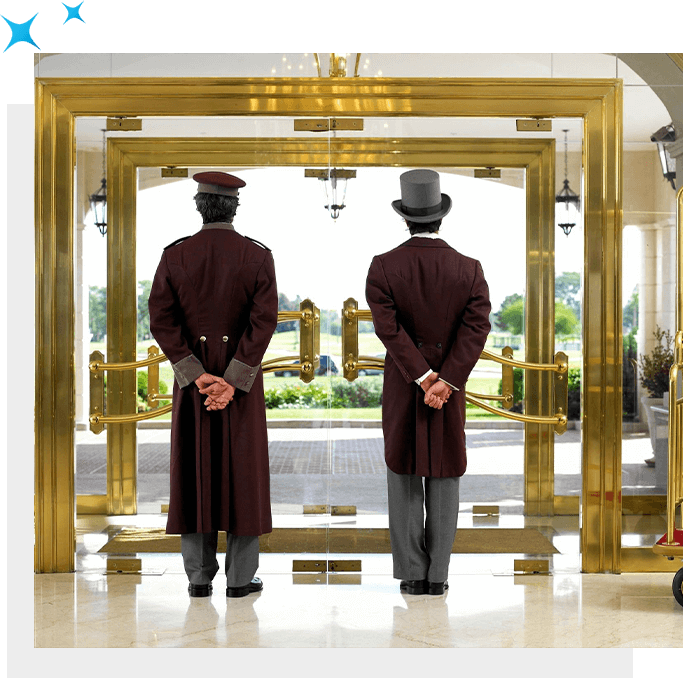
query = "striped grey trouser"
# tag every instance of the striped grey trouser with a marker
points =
(421, 543)
(201, 566)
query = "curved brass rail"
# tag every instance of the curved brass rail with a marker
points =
(558, 420)
(97, 365)
(554, 367)
(127, 418)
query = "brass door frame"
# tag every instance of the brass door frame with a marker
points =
(535, 157)
(60, 100)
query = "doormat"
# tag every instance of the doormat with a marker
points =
(131, 541)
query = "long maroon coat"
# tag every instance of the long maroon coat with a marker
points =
(430, 308)
(213, 308)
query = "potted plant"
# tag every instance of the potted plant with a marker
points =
(655, 376)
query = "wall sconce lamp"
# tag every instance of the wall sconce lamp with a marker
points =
(664, 136)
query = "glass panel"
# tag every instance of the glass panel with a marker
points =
(91, 304)
(648, 301)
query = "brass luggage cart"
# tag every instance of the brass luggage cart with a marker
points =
(670, 544)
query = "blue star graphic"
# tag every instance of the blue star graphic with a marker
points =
(73, 13)
(20, 32)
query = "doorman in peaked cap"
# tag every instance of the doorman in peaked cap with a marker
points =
(213, 309)
(430, 306)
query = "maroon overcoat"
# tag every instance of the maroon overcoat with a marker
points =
(213, 308)
(430, 307)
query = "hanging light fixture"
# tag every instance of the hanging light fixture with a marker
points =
(337, 64)
(335, 185)
(98, 200)
(567, 216)
(666, 135)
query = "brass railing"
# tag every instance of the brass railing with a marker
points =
(306, 363)
(352, 362)
(309, 360)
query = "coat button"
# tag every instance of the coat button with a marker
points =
(420, 344)
(439, 345)
(225, 338)
(203, 338)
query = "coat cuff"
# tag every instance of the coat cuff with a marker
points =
(187, 370)
(240, 375)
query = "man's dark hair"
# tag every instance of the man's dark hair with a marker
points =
(214, 207)
(429, 227)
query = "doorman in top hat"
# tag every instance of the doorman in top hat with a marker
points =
(430, 306)
(213, 309)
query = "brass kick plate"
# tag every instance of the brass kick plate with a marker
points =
(326, 566)
(309, 565)
(531, 566)
(124, 124)
(533, 125)
(344, 566)
(174, 172)
(124, 565)
(326, 124)
(333, 510)
(485, 510)
(315, 508)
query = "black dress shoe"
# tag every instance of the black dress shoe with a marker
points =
(414, 587)
(200, 590)
(437, 588)
(239, 591)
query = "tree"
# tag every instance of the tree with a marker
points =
(566, 320)
(144, 287)
(97, 312)
(567, 290)
(497, 317)
(630, 313)
(512, 317)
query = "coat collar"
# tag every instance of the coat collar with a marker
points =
(219, 224)
(424, 242)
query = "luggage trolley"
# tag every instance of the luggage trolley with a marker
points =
(670, 544)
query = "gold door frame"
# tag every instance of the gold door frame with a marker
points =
(536, 157)
(597, 102)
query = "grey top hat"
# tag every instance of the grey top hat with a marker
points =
(421, 200)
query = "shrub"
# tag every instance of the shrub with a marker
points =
(518, 389)
(655, 368)
(360, 393)
(574, 393)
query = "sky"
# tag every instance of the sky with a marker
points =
(324, 259)
(327, 260)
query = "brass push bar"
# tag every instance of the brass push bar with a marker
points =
(309, 359)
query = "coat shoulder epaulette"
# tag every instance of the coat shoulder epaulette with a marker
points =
(258, 243)
(175, 242)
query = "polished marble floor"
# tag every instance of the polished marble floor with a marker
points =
(487, 605)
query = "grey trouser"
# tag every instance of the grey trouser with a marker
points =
(201, 566)
(421, 544)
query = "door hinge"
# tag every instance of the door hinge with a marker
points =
(167, 172)
(327, 124)
(124, 124)
(533, 125)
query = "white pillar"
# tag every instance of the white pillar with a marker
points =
(648, 288)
